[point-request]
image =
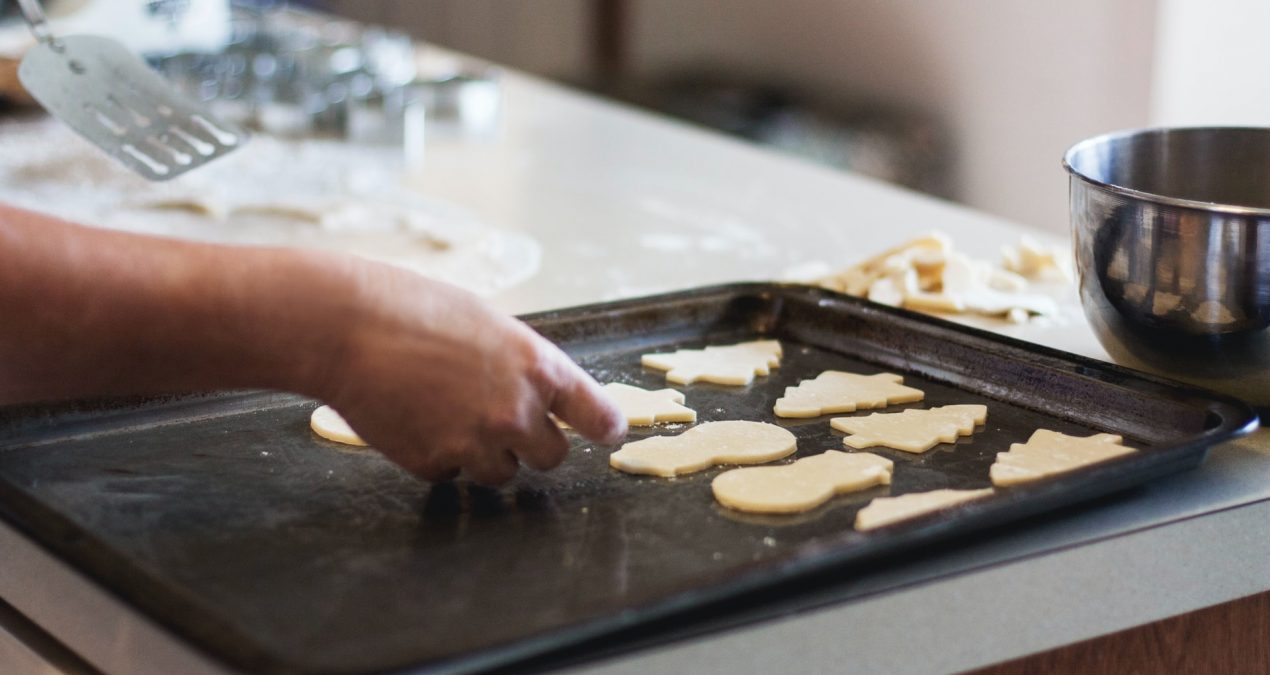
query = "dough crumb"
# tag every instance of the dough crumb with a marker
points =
(328, 424)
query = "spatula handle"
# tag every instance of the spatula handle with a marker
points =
(35, 18)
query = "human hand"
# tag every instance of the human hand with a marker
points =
(439, 382)
(427, 373)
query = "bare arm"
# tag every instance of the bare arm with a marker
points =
(425, 372)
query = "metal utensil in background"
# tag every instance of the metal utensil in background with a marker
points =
(112, 98)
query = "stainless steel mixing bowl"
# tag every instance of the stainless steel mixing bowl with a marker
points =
(1172, 244)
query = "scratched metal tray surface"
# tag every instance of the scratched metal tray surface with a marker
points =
(224, 518)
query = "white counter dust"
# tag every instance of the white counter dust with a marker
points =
(317, 194)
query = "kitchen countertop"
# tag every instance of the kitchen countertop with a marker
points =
(625, 204)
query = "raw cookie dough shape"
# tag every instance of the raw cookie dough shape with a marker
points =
(1049, 453)
(732, 364)
(834, 391)
(911, 430)
(703, 446)
(644, 407)
(801, 486)
(887, 510)
(328, 424)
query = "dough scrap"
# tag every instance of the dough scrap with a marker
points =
(645, 407)
(911, 430)
(732, 364)
(1032, 259)
(927, 275)
(703, 446)
(834, 391)
(202, 204)
(887, 510)
(1049, 453)
(919, 254)
(328, 424)
(801, 486)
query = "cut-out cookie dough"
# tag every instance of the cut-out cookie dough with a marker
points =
(834, 391)
(328, 424)
(732, 442)
(1049, 453)
(887, 510)
(645, 407)
(732, 364)
(911, 430)
(801, 486)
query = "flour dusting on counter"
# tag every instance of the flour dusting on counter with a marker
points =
(308, 193)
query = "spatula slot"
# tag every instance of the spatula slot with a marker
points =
(179, 140)
(163, 146)
(224, 137)
(105, 120)
(156, 167)
(197, 134)
(138, 118)
(194, 144)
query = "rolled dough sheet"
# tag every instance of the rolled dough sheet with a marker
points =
(887, 510)
(911, 430)
(835, 391)
(802, 485)
(703, 446)
(732, 364)
(328, 424)
(1049, 453)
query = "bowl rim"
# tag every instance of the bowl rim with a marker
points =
(1219, 207)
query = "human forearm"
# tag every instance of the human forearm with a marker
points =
(427, 373)
(89, 312)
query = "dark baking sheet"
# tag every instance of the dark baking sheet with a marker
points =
(225, 519)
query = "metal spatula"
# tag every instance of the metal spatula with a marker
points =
(111, 97)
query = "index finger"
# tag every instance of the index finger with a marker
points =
(585, 406)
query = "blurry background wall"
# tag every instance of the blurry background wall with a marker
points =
(1015, 83)
(1210, 63)
(1010, 83)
